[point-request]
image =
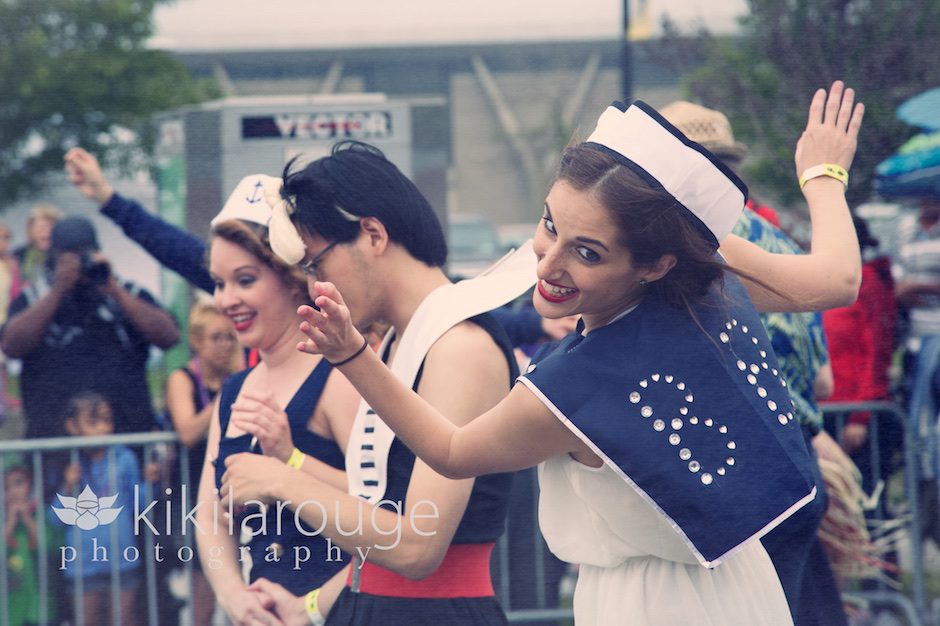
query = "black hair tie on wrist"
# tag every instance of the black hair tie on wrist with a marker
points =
(362, 348)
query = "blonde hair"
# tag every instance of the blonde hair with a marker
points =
(43, 211)
(199, 317)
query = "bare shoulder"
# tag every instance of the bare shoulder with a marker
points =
(467, 344)
(469, 348)
(739, 252)
(178, 378)
(339, 388)
(465, 373)
(179, 389)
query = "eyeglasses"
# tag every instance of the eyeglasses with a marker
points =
(310, 267)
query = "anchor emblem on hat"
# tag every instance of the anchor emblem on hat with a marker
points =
(255, 195)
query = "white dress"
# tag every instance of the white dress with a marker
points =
(635, 569)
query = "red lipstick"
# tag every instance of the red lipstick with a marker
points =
(552, 297)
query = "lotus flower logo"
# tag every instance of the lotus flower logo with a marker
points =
(87, 511)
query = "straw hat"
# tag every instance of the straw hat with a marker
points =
(705, 126)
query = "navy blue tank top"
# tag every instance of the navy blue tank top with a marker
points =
(484, 519)
(323, 562)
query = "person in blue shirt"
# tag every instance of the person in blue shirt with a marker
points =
(100, 474)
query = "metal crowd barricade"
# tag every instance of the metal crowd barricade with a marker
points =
(526, 575)
(33, 451)
(915, 609)
(524, 537)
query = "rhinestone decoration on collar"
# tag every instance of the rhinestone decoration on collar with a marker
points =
(758, 373)
(749, 360)
(684, 418)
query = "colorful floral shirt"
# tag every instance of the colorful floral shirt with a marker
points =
(797, 338)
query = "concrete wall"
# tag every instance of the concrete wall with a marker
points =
(488, 177)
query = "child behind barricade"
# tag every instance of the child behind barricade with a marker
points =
(93, 496)
(21, 534)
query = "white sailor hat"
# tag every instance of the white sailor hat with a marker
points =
(257, 198)
(248, 202)
(711, 195)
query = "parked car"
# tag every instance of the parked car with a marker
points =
(472, 244)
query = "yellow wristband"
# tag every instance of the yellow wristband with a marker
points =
(825, 169)
(313, 608)
(296, 459)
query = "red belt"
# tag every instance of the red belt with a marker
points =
(464, 573)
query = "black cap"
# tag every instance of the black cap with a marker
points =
(74, 234)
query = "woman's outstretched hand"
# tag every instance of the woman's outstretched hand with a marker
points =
(832, 129)
(261, 416)
(330, 331)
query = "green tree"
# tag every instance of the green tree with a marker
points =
(763, 78)
(77, 72)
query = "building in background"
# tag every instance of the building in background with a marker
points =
(509, 110)
(511, 107)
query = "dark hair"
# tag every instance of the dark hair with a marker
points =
(84, 400)
(358, 179)
(650, 224)
(254, 239)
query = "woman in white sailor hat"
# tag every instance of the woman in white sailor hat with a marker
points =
(298, 410)
(665, 434)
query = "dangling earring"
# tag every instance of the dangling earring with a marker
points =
(643, 282)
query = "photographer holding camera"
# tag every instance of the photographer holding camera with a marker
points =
(80, 328)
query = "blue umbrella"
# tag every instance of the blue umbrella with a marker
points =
(922, 110)
(913, 171)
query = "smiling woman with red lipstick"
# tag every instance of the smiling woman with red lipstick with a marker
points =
(665, 435)
(260, 294)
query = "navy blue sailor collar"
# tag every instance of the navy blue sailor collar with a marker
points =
(691, 412)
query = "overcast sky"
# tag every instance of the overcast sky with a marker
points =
(219, 24)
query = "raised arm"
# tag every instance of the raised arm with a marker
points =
(28, 322)
(172, 247)
(152, 322)
(830, 275)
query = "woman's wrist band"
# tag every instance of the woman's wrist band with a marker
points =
(296, 459)
(362, 348)
(825, 169)
(313, 608)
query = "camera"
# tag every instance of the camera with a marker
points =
(96, 271)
